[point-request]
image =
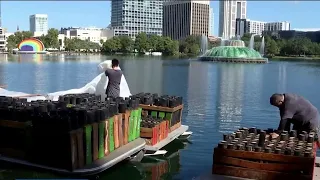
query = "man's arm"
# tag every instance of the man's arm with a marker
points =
(284, 125)
(106, 73)
(285, 114)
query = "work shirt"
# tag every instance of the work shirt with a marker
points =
(113, 88)
(298, 111)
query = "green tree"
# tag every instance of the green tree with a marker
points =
(126, 44)
(155, 43)
(14, 40)
(101, 41)
(141, 43)
(246, 37)
(22, 35)
(272, 48)
(170, 47)
(190, 45)
(52, 38)
(76, 44)
(11, 43)
(111, 45)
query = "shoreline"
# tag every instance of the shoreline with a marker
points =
(181, 56)
(294, 58)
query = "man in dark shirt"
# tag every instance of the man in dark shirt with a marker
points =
(114, 75)
(295, 110)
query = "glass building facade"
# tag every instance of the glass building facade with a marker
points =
(131, 17)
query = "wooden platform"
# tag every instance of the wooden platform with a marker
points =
(171, 136)
(98, 166)
(209, 176)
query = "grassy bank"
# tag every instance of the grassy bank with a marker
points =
(293, 58)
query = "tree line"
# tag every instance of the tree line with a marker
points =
(51, 40)
(189, 46)
(144, 43)
(300, 46)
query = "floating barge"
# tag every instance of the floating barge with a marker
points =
(253, 154)
(167, 111)
(96, 167)
(92, 135)
(66, 137)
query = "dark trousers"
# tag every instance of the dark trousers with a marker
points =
(306, 127)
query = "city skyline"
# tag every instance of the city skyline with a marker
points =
(70, 13)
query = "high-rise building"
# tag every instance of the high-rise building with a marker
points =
(229, 11)
(39, 24)
(257, 27)
(131, 17)
(185, 18)
(2, 39)
(211, 22)
(241, 27)
(277, 26)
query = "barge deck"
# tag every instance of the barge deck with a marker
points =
(118, 155)
(210, 176)
(171, 136)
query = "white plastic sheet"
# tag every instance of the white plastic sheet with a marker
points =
(4, 92)
(97, 86)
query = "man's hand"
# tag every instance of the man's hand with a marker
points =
(274, 135)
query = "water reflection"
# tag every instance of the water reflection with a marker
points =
(172, 82)
(143, 76)
(37, 58)
(3, 60)
(254, 82)
(150, 168)
(198, 84)
(282, 78)
(230, 96)
(40, 79)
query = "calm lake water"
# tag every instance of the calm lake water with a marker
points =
(218, 98)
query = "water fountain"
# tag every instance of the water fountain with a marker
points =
(222, 42)
(204, 44)
(235, 51)
(262, 47)
(251, 44)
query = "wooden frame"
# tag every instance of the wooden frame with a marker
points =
(262, 166)
(159, 108)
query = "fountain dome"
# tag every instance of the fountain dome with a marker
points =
(233, 51)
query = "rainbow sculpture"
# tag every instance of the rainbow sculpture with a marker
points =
(31, 46)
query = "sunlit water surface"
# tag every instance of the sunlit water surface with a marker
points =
(218, 98)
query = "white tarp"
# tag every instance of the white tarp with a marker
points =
(4, 92)
(97, 86)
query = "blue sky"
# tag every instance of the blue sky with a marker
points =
(300, 14)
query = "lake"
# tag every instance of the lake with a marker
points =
(218, 98)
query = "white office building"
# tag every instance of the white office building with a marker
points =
(229, 11)
(2, 40)
(92, 34)
(131, 17)
(211, 22)
(277, 26)
(255, 27)
(39, 24)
